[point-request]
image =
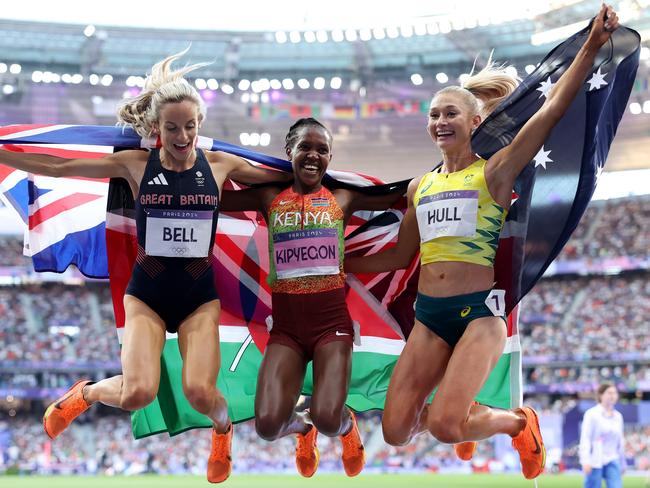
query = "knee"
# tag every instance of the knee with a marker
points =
(201, 397)
(395, 435)
(446, 429)
(137, 397)
(268, 426)
(328, 421)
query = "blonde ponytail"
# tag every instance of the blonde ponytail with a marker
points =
(162, 86)
(491, 86)
(484, 91)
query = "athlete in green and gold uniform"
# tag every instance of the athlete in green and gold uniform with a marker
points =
(458, 217)
(454, 218)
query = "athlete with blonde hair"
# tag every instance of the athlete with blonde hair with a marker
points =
(176, 190)
(454, 217)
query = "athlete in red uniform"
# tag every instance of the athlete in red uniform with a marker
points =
(311, 322)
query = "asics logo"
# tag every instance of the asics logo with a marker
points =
(158, 180)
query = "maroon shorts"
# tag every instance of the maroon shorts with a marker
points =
(305, 321)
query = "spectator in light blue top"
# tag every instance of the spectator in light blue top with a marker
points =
(601, 441)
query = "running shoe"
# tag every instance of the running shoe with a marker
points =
(220, 462)
(63, 411)
(354, 456)
(307, 454)
(530, 446)
(465, 450)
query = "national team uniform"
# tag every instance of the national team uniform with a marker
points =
(176, 219)
(458, 220)
(306, 246)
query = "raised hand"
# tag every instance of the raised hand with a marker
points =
(604, 24)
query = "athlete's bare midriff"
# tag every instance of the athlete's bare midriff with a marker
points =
(446, 279)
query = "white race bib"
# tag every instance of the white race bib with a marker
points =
(310, 252)
(446, 214)
(496, 302)
(178, 233)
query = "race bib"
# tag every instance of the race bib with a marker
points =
(446, 214)
(306, 253)
(496, 302)
(178, 233)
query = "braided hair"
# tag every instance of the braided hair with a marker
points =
(292, 136)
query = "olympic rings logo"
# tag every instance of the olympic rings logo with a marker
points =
(179, 251)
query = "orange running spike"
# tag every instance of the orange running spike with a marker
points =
(220, 461)
(307, 454)
(354, 456)
(63, 411)
(530, 446)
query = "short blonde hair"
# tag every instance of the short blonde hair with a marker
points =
(162, 86)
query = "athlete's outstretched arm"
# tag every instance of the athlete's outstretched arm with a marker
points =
(399, 256)
(243, 172)
(512, 159)
(110, 166)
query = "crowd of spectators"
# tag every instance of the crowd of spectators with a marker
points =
(11, 252)
(57, 322)
(612, 228)
(587, 318)
(628, 377)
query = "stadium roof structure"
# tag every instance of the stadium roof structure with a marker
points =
(372, 42)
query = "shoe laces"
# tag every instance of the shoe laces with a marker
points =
(305, 447)
(350, 440)
(220, 446)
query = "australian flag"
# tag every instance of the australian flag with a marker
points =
(555, 188)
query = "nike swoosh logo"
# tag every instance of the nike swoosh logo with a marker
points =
(284, 202)
(538, 448)
(342, 333)
(58, 404)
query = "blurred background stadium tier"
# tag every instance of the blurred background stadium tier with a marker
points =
(586, 321)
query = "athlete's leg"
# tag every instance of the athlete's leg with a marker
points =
(452, 417)
(278, 387)
(332, 366)
(198, 341)
(142, 344)
(418, 371)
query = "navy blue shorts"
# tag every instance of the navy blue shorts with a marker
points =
(172, 287)
(448, 317)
